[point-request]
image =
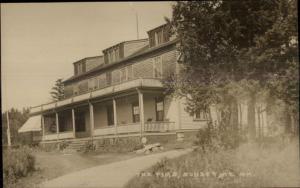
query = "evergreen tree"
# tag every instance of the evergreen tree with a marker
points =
(57, 92)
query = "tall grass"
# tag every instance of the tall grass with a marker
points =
(249, 165)
(17, 163)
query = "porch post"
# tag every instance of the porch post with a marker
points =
(73, 123)
(141, 108)
(115, 115)
(57, 125)
(43, 128)
(91, 119)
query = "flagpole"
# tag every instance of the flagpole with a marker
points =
(8, 130)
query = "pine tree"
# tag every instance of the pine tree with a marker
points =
(57, 92)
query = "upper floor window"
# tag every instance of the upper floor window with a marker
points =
(157, 67)
(80, 68)
(123, 74)
(159, 37)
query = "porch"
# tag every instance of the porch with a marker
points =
(136, 112)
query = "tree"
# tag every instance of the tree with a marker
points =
(57, 92)
(16, 119)
(227, 46)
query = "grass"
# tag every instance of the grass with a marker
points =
(50, 165)
(250, 165)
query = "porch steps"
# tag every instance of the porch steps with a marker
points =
(77, 145)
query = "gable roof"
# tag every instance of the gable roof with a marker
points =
(143, 51)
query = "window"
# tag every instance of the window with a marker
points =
(129, 72)
(135, 113)
(152, 39)
(117, 55)
(201, 114)
(76, 89)
(157, 67)
(123, 74)
(93, 83)
(108, 78)
(159, 36)
(159, 108)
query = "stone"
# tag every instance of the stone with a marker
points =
(147, 152)
(155, 149)
(150, 146)
(161, 148)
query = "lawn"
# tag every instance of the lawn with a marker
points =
(249, 165)
(50, 165)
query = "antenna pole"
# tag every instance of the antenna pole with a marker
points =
(137, 24)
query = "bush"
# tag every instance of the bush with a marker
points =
(17, 163)
(221, 137)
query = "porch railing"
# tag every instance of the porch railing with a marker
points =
(159, 126)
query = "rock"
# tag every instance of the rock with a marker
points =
(150, 146)
(155, 149)
(147, 152)
(140, 151)
(161, 148)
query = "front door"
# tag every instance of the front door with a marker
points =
(80, 122)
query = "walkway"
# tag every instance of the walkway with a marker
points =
(112, 175)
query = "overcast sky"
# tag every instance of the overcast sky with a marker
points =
(39, 42)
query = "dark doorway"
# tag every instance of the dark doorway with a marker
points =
(80, 122)
(110, 115)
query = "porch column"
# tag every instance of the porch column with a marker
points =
(43, 127)
(141, 107)
(91, 118)
(115, 115)
(73, 123)
(57, 125)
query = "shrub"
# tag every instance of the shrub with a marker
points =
(221, 137)
(17, 163)
(89, 146)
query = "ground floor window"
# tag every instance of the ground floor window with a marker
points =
(201, 114)
(159, 106)
(135, 113)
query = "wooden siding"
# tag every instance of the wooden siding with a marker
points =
(93, 62)
(131, 47)
(140, 69)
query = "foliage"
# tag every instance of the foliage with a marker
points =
(236, 49)
(57, 92)
(222, 137)
(17, 163)
(89, 146)
(16, 119)
(250, 165)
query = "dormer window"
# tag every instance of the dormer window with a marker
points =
(79, 68)
(159, 35)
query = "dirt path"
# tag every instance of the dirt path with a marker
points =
(114, 175)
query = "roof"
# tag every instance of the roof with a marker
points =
(32, 124)
(86, 58)
(163, 25)
(128, 41)
(143, 51)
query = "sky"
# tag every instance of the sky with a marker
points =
(40, 41)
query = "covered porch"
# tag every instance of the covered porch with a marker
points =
(134, 112)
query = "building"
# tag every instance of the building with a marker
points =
(120, 94)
